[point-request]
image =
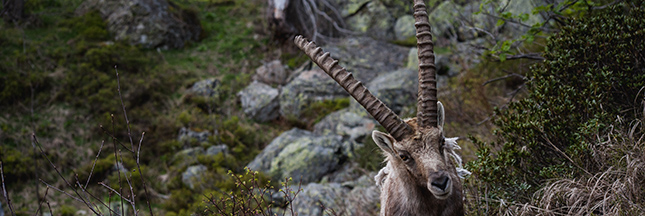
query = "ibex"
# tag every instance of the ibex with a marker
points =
(422, 172)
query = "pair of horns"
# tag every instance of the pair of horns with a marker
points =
(427, 95)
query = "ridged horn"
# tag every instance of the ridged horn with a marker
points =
(375, 107)
(427, 95)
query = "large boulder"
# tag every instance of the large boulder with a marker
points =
(193, 175)
(397, 89)
(209, 88)
(374, 20)
(349, 125)
(316, 198)
(302, 155)
(308, 87)
(187, 135)
(271, 73)
(260, 101)
(358, 197)
(367, 58)
(217, 149)
(404, 28)
(149, 23)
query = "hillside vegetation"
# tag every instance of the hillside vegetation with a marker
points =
(558, 131)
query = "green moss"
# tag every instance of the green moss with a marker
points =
(314, 112)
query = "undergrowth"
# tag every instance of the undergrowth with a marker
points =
(593, 72)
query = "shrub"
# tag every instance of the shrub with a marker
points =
(593, 72)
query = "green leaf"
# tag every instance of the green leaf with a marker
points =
(500, 22)
(507, 15)
(506, 45)
(502, 57)
(524, 17)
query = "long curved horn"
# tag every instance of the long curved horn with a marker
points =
(392, 123)
(427, 95)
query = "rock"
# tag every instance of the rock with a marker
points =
(271, 73)
(206, 88)
(364, 197)
(444, 19)
(346, 173)
(192, 176)
(187, 156)
(367, 58)
(397, 89)
(119, 167)
(404, 28)
(302, 155)
(308, 87)
(360, 197)
(373, 19)
(188, 135)
(260, 101)
(316, 198)
(215, 150)
(349, 125)
(149, 23)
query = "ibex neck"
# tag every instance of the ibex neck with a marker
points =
(401, 197)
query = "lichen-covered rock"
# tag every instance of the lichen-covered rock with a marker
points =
(316, 198)
(404, 28)
(397, 89)
(445, 19)
(215, 150)
(349, 125)
(367, 58)
(359, 197)
(260, 101)
(363, 199)
(308, 87)
(187, 156)
(193, 175)
(188, 135)
(206, 88)
(149, 23)
(373, 19)
(271, 73)
(302, 155)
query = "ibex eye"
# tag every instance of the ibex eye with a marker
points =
(404, 157)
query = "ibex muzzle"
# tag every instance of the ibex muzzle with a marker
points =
(422, 172)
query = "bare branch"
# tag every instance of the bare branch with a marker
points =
(4, 190)
(35, 140)
(94, 164)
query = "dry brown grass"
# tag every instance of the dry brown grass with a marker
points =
(617, 187)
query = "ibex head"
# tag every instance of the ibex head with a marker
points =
(420, 176)
(422, 158)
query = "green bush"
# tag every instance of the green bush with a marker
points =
(593, 72)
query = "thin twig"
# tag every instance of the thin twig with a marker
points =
(62, 191)
(4, 190)
(94, 164)
(116, 163)
(502, 78)
(116, 192)
(40, 203)
(60, 174)
(137, 156)
(125, 174)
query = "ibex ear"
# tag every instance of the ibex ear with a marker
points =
(440, 114)
(384, 141)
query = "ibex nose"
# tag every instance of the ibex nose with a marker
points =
(441, 182)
